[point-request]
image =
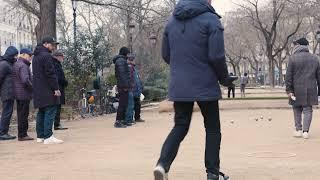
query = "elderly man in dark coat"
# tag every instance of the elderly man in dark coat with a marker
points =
(6, 91)
(22, 81)
(46, 90)
(58, 57)
(302, 85)
(193, 46)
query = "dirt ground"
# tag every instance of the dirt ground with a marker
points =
(94, 150)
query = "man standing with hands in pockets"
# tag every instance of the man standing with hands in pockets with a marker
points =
(46, 90)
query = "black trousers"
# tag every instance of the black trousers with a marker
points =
(137, 108)
(183, 113)
(123, 104)
(7, 110)
(57, 118)
(23, 114)
(233, 89)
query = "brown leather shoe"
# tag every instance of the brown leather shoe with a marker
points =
(27, 138)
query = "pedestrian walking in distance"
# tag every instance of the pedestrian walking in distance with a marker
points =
(46, 90)
(303, 86)
(243, 83)
(22, 81)
(6, 91)
(193, 46)
(232, 89)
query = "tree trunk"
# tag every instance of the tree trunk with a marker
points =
(256, 73)
(280, 74)
(271, 70)
(47, 23)
(238, 69)
(234, 69)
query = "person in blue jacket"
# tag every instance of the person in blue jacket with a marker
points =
(193, 47)
(134, 103)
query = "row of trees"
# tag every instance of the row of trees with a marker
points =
(103, 27)
(259, 34)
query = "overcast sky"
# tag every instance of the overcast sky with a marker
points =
(223, 6)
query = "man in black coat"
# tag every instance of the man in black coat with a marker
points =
(58, 58)
(6, 91)
(123, 83)
(46, 90)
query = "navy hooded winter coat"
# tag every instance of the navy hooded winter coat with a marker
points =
(193, 46)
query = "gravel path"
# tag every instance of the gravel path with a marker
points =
(94, 150)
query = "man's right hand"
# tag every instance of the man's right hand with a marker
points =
(290, 95)
(57, 93)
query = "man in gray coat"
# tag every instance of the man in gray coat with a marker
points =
(302, 82)
(193, 46)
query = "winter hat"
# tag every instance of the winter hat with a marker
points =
(11, 52)
(26, 51)
(131, 57)
(302, 41)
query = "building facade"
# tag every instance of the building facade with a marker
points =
(16, 28)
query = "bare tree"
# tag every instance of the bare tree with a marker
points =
(267, 20)
(45, 10)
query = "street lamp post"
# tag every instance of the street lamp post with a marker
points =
(74, 7)
(318, 39)
(131, 30)
(153, 39)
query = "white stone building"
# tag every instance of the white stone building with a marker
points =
(16, 28)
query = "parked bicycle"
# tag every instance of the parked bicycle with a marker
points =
(86, 105)
(109, 100)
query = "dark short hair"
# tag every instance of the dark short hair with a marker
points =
(124, 51)
(245, 74)
(302, 41)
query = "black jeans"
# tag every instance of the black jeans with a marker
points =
(57, 118)
(23, 114)
(123, 104)
(183, 113)
(233, 89)
(137, 108)
(7, 110)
